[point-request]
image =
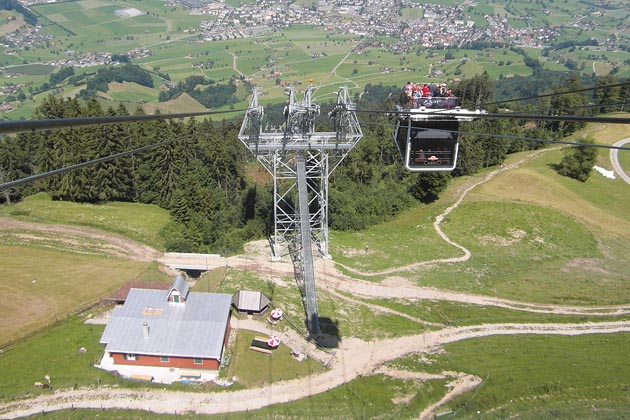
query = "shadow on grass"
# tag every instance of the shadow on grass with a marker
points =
(556, 167)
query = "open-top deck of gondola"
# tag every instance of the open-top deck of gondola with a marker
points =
(427, 128)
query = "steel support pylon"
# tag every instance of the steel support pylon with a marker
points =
(301, 160)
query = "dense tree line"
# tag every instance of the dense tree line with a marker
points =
(204, 91)
(200, 178)
(126, 73)
(575, 43)
(121, 58)
(482, 45)
(61, 75)
(29, 17)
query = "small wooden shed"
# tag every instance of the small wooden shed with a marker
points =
(250, 302)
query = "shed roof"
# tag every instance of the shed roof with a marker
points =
(194, 329)
(248, 300)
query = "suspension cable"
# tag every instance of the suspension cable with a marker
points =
(545, 95)
(514, 115)
(573, 108)
(509, 137)
(23, 126)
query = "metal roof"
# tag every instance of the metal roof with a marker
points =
(180, 285)
(247, 300)
(192, 329)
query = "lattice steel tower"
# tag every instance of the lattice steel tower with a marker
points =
(301, 161)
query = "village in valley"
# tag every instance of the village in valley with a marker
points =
(436, 25)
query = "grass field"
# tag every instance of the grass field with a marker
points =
(534, 235)
(531, 247)
(539, 377)
(140, 222)
(257, 369)
(47, 285)
(535, 376)
(32, 69)
(55, 353)
(131, 92)
(93, 25)
(288, 52)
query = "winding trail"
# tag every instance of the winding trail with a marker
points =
(347, 364)
(234, 65)
(438, 221)
(352, 359)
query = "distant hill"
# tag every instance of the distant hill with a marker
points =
(183, 103)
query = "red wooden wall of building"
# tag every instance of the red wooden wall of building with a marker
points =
(177, 362)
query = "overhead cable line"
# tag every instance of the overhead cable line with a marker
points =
(572, 108)
(24, 126)
(545, 95)
(515, 115)
(503, 136)
(89, 162)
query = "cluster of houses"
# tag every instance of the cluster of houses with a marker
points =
(27, 37)
(443, 25)
(173, 334)
(435, 24)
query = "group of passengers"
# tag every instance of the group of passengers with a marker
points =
(415, 94)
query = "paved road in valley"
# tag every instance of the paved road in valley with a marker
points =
(614, 159)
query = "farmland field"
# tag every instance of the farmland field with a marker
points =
(48, 284)
(290, 56)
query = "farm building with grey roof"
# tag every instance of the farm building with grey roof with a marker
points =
(172, 329)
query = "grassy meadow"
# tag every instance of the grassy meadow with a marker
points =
(47, 284)
(538, 377)
(534, 235)
(54, 275)
(140, 222)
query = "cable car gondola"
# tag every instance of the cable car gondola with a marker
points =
(427, 129)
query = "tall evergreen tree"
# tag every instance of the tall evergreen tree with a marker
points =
(609, 95)
(112, 179)
(474, 92)
(569, 102)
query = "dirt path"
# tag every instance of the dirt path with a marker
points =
(333, 281)
(108, 243)
(438, 220)
(353, 359)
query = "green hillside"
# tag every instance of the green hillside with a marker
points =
(534, 237)
(139, 222)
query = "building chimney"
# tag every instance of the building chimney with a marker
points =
(145, 330)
